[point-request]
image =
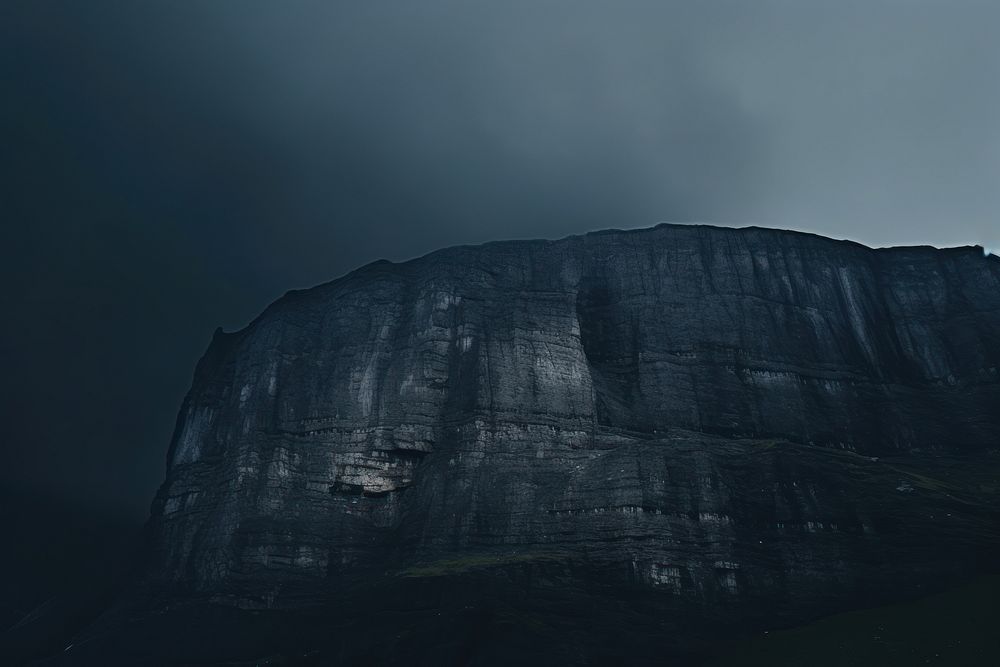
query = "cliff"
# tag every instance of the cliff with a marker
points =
(743, 426)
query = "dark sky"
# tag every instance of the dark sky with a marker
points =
(174, 166)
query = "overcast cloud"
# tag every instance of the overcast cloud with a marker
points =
(176, 166)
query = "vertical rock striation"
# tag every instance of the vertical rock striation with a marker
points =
(746, 423)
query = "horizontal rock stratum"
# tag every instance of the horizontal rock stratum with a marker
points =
(746, 425)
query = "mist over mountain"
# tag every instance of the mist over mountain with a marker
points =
(173, 167)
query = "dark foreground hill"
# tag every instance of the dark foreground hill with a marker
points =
(624, 444)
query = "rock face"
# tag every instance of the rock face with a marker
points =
(742, 424)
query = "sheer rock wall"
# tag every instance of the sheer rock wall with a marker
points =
(726, 416)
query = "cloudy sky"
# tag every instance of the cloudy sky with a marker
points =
(174, 166)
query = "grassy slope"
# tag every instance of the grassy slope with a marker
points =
(958, 627)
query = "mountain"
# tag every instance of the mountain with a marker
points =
(656, 439)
